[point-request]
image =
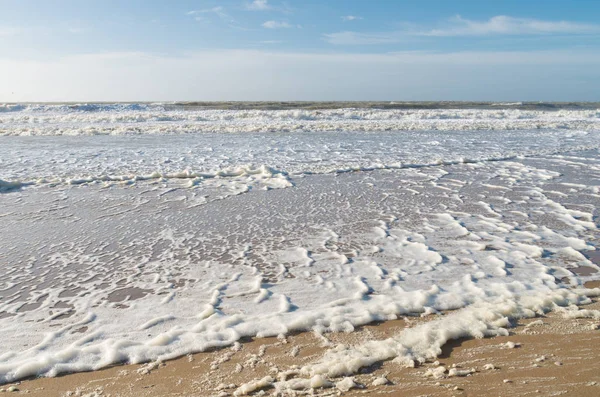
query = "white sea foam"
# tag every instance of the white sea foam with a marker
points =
(270, 158)
(136, 119)
(154, 253)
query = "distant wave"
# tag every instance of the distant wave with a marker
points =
(78, 107)
(305, 105)
(137, 119)
(507, 104)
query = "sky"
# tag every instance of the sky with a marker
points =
(117, 50)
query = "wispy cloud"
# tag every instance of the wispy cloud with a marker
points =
(506, 25)
(200, 15)
(258, 5)
(349, 18)
(458, 26)
(264, 5)
(276, 25)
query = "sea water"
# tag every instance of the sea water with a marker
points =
(142, 232)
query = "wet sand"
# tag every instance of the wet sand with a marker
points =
(551, 356)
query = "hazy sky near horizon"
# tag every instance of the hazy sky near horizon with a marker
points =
(299, 50)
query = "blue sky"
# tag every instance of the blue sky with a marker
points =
(304, 50)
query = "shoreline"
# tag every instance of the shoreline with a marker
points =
(540, 356)
(489, 240)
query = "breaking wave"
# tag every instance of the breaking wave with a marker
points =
(160, 118)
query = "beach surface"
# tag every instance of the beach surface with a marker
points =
(227, 251)
(545, 356)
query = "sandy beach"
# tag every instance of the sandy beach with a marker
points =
(542, 356)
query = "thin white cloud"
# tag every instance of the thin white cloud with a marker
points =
(223, 75)
(276, 25)
(258, 5)
(506, 25)
(457, 26)
(219, 11)
(349, 18)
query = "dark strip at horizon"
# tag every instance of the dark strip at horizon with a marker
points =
(332, 105)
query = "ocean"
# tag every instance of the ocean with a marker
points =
(136, 232)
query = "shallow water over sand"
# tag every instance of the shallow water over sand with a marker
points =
(137, 232)
(104, 272)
